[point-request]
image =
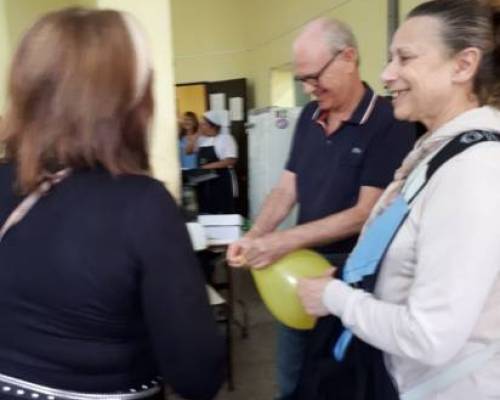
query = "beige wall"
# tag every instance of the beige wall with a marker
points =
(366, 17)
(210, 40)
(17, 15)
(282, 87)
(22, 13)
(4, 54)
(405, 6)
(154, 15)
(224, 39)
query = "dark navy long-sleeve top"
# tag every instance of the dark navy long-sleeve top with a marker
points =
(100, 289)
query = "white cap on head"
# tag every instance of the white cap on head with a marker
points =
(217, 117)
(143, 57)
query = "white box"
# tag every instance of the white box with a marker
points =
(220, 219)
(221, 228)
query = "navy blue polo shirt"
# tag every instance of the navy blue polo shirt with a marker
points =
(330, 169)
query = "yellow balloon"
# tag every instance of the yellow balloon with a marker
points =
(277, 286)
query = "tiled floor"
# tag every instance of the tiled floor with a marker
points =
(253, 356)
(254, 368)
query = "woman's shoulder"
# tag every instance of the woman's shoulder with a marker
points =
(480, 155)
(476, 163)
(124, 188)
(7, 173)
(6, 167)
(483, 158)
(142, 184)
(143, 198)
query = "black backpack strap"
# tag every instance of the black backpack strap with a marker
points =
(362, 374)
(457, 145)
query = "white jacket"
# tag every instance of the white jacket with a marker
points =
(437, 298)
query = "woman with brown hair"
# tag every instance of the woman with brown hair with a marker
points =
(100, 294)
(188, 135)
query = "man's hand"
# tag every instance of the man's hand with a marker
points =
(257, 251)
(235, 252)
(310, 291)
(264, 250)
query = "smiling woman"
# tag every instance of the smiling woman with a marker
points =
(426, 297)
(424, 79)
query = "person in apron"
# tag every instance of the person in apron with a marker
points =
(218, 152)
(420, 293)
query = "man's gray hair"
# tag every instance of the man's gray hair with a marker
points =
(338, 35)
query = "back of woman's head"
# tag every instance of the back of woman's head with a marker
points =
(79, 95)
(470, 23)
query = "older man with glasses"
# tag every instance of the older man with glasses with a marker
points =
(346, 148)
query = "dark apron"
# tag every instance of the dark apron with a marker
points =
(361, 373)
(215, 196)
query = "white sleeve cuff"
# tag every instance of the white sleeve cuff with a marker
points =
(336, 296)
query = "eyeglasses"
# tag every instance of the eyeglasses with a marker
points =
(313, 79)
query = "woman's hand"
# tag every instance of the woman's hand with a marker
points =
(310, 291)
(192, 143)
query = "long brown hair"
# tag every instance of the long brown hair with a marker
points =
(196, 125)
(72, 100)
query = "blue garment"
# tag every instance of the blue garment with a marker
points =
(291, 349)
(188, 161)
(368, 253)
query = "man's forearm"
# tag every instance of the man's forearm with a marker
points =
(276, 207)
(228, 162)
(326, 230)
